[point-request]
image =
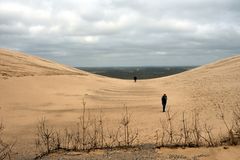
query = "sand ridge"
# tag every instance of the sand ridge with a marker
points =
(17, 64)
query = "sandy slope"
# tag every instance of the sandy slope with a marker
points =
(17, 64)
(31, 87)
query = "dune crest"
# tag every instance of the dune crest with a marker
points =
(17, 64)
(226, 68)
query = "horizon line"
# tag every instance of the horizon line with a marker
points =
(135, 66)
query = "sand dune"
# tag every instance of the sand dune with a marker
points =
(31, 87)
(17, 64)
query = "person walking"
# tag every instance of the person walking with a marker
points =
(164, 102)
(135, 79)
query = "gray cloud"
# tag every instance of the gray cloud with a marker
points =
(122, 32)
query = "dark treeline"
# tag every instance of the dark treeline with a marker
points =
(140, 72)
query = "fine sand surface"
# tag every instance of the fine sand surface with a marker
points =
(223, 153)
(31, 88)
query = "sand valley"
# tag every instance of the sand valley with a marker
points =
(32, 88)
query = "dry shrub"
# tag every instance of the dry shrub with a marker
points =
(233, 135)
(48, 138)
(194, 133)
(236, 122)
(5, 148)
(88, 134)
(129, 135)
(190, 133)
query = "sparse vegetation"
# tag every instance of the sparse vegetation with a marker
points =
(48, 138)
(87, 135)
(197, 134)
(129, 136)
(233, 129)
(5, 148)
(91, 133)
(236, 122)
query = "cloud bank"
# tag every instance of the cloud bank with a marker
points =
(122, 32)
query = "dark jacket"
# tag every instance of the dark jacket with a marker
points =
(164, 99)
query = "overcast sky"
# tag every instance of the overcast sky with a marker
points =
(122, 32)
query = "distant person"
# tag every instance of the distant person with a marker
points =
(164, 102)
(135, 79)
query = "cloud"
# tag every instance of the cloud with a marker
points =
(122, 32)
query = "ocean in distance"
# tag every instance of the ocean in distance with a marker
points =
(140, 72)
